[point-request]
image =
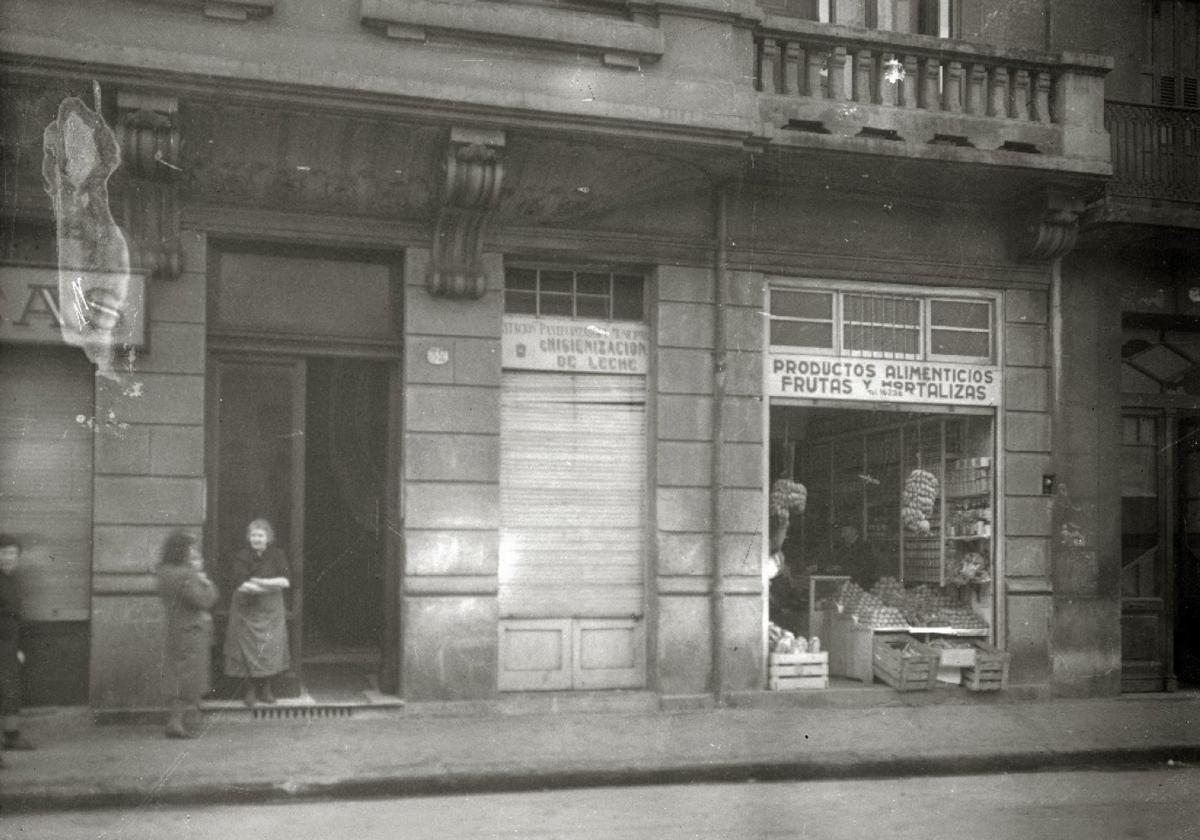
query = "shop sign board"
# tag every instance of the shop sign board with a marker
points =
(881, 380)
(31, 310)
(574, 346)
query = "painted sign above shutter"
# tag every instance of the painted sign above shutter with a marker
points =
(574, 346)
(31, 313)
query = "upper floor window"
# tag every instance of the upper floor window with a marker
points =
(890, 326)
(590, 294)
(1171, 66)
(939, 18)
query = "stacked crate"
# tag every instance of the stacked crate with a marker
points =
(796, 671)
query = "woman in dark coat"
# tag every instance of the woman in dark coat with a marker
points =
(187, 595)
(256, 641)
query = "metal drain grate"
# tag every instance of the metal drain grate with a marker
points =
(283, 712)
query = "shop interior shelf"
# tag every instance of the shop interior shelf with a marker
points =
(969, 537)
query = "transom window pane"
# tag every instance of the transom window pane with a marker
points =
(596, 295)
(889, 341)
(960, 313)
(802, 334)
(627, 298)
(883, 310)
(959, 343)
(816, 305)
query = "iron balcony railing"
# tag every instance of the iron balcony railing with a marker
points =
(1155, 151)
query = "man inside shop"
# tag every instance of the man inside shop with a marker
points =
(852, 555)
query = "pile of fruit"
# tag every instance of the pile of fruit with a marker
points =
(889, 606)
(963, 618)
(869, 608)
(891, 591)
(923, 606)
(788, 497)
(917, 500)
(784, 641)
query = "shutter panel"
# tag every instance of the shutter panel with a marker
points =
(572, 495)
(46, 477)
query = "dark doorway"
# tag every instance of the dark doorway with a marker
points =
(1187, 567)
(344, 533)
(305, 443)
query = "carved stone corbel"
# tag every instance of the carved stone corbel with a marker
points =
(149, 134)
(470, 193)
(1052, 225)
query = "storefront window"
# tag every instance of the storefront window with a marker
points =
(883, 487)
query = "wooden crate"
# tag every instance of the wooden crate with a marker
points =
(914, 670)
(795, 671)
(990, 671)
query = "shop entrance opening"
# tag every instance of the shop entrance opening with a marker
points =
(303, 443)
(1160, 550)
(891, 536)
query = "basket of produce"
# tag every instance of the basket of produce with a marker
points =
(905, 664)
(990, 671)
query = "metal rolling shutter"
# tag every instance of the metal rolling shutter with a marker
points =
(572, 530)
(46, 476)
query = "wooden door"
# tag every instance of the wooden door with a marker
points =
(1149, 531)
(256, 470)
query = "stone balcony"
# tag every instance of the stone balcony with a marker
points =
(834, 86)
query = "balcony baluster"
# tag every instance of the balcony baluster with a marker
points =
(998, 92)
(1018, 103)
(1041, 97)
(976, 90)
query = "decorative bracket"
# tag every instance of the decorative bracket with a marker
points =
(1053, 226)
(470, 193)
(149, 134)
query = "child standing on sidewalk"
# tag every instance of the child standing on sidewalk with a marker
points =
(11, 657)
(187, 595)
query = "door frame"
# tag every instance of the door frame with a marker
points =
(239, 349)
(1170, 523)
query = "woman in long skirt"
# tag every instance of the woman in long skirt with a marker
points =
(256, 641)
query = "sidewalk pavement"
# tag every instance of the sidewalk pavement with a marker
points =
(416, 751)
